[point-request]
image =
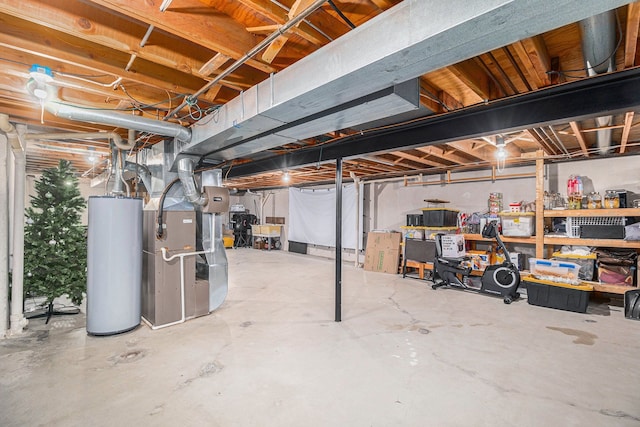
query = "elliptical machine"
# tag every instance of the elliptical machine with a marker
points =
(500, 279)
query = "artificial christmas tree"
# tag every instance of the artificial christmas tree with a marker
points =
(55, 243)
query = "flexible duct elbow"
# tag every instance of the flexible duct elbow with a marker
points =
(142, 171)
(191, 192)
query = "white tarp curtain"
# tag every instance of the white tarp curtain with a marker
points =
(312, 216)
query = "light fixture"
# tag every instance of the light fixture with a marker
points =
(501, 153)
(40, 76)
(285, 176)
(92, 155)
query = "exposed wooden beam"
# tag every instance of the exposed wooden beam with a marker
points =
(544, 145)
(278, 15)
(213, 64)
(473, 148)
(628, 119)
(231, 38)
(535, 57)
(62, 50)
(575, 127)
(274, 48)
(439, 152)
(631, 37)
(421, 160)
(80, 20)
(474, 77)
(383, 4)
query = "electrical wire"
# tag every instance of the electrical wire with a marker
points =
(15, 62)
(342, 15)
(160, 229)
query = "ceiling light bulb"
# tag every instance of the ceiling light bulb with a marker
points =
(286, 177)
(40, 93)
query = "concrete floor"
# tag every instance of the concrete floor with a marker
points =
(404, 355)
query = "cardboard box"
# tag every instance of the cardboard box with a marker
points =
(479, 260)
(383, 252)
(267, 230)
(274, 220)
(453, 246)
(517, 259)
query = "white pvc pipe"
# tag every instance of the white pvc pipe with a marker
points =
(18, 322)
(182, 290)
(4, 242)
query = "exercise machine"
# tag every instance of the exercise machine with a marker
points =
(499, 279)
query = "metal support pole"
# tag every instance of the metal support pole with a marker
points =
(339, 239)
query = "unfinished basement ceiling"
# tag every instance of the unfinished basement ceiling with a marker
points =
(147, 58)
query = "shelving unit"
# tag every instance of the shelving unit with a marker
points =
(546, 243)
(541, 240)
(506, 239)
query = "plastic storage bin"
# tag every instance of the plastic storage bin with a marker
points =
(425, 233)
(518, 224)
(587, 263)
(554, 271)
(415, 220)
(440, 217)
(560, 296)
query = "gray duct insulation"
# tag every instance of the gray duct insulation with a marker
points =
(599, 51)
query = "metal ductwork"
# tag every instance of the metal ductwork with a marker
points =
(126, 121)
(599, 51)
(113, 136)
(120, 120)
(191, 192)
(426, 37)
(142, 171)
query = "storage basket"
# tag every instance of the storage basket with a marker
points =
(574, 223)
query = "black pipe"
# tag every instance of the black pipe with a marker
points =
(339, 239)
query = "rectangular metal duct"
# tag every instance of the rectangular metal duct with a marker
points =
(394, 100)
(405, 42)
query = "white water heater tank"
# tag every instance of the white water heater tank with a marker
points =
(114, 264)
